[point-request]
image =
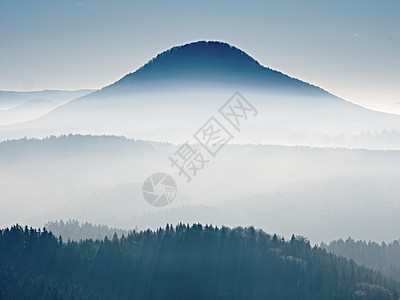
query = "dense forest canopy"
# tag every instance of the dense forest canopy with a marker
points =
(383, 257)
(182, 262)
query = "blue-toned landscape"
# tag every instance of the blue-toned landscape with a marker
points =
(181, 150)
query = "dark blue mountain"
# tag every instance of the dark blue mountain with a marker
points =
(179, 88)
(208, 62)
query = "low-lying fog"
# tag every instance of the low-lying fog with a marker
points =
(321, 193)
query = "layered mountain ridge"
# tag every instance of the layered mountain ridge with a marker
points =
(173, 94)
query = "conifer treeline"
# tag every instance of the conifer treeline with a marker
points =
(182, 262)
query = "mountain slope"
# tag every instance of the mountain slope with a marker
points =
(171, 96)
(208, 62)
(383, 257)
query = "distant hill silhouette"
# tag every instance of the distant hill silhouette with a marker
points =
(99, 179)
(28, 110)
(383, 257)
(75, 231)
(10, 99)
(177, 91)
(208, 62)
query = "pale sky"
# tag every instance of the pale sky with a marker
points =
(350, 48)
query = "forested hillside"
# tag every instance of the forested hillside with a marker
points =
(381, 257)
(182, 262)
(76, 231)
